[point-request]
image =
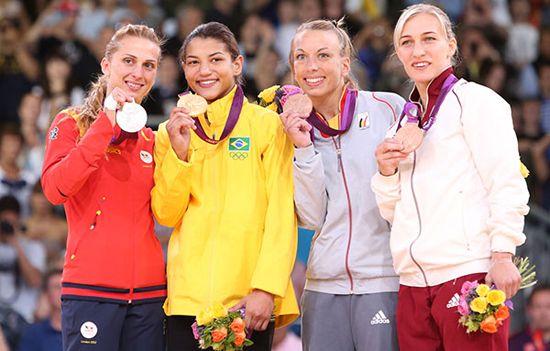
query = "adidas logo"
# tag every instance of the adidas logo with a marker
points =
(379, 318)
(453, 302)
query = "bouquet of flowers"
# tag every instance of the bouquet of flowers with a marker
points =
(220, 329)
(275, 97)
(485, 308)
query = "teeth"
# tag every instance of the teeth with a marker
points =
(420, 64)
(313, 80)
(133, 86)
(207, 81)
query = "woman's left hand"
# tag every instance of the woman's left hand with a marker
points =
(504, 274)
(259, 308)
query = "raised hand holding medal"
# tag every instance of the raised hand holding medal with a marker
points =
(296, 109)
(124, 111)
(410, 135)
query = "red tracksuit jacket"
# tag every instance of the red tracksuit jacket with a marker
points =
(104, 180)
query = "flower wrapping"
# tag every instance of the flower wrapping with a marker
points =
(220, 329)
(274, 98)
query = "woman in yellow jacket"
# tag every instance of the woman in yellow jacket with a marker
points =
(224, 181)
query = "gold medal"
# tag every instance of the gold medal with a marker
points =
(196, 104)
(298, 103)
(411, 137)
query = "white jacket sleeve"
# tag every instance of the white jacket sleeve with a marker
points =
(310, 195)
(489, 133)
(387, 190)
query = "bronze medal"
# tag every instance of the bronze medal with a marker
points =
(196, 104)
(298, 103)
(411, 137)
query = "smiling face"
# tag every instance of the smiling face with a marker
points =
(317, 63)
(424, 49)
(132, 67)
(209, 69)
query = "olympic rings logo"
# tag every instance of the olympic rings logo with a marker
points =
(238, 155)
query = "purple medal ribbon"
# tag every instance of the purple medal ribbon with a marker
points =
(411, 109)
(347, 116)
(234, 113)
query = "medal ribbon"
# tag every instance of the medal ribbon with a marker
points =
(234, 113)
(347, 116)
(411, 109)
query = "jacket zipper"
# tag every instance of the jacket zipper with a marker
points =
(133, 281)
(338, 147)
(419, 223)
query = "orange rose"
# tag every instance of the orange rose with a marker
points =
(237, 326)
(502, 313)
(219, 334)
(489, 325)
(239, 338)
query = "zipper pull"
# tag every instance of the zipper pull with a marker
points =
(339, 158)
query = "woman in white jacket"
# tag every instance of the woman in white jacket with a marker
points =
(449, 182)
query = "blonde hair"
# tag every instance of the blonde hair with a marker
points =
(337, 27)
(96, 94)
(435, 11)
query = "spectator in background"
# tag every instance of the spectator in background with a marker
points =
(22, 262)
(536, 337)
(189, 16)
(3, 342)
(17, 68)
(45, 335)
(309, 10)
(286, 27)
(227, 12)
(14, 180)
(494, 74)
(544, 88)
(55, 33)
(58, 85)
(98, 15)
(33, 135)
(45, 226)
(373, 45)
(146, 13)
(522, 47)
(163, 97)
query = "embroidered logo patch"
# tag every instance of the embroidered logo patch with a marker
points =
(53, 133)
(364, 121)
(145, 156)
(239, 147)
(88, 330)
(239, 144)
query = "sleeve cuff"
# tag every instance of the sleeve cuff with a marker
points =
(499, 244)
(304, 154)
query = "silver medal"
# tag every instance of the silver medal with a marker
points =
(132, 117)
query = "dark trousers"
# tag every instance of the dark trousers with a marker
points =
(179, 336)
(104, 326)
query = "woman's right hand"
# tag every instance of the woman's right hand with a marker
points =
(120, 98)
(297, 128)
(388, 155)
(178, 127)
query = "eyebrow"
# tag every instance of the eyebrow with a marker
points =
(425, 33)
(212, 54)
(320, 49)
(135, 57)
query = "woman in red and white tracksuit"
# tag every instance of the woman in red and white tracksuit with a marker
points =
(114, 281)
(457, 203)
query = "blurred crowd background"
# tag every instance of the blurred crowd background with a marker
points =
(50, 51)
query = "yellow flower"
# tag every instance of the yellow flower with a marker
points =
(496, 297)
(268, 94)
(482, 290)
(210, 313)
(524, 170)
(479, 304)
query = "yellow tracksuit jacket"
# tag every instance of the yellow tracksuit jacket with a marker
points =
(232, 209)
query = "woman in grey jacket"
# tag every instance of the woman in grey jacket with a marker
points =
(350, 294)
